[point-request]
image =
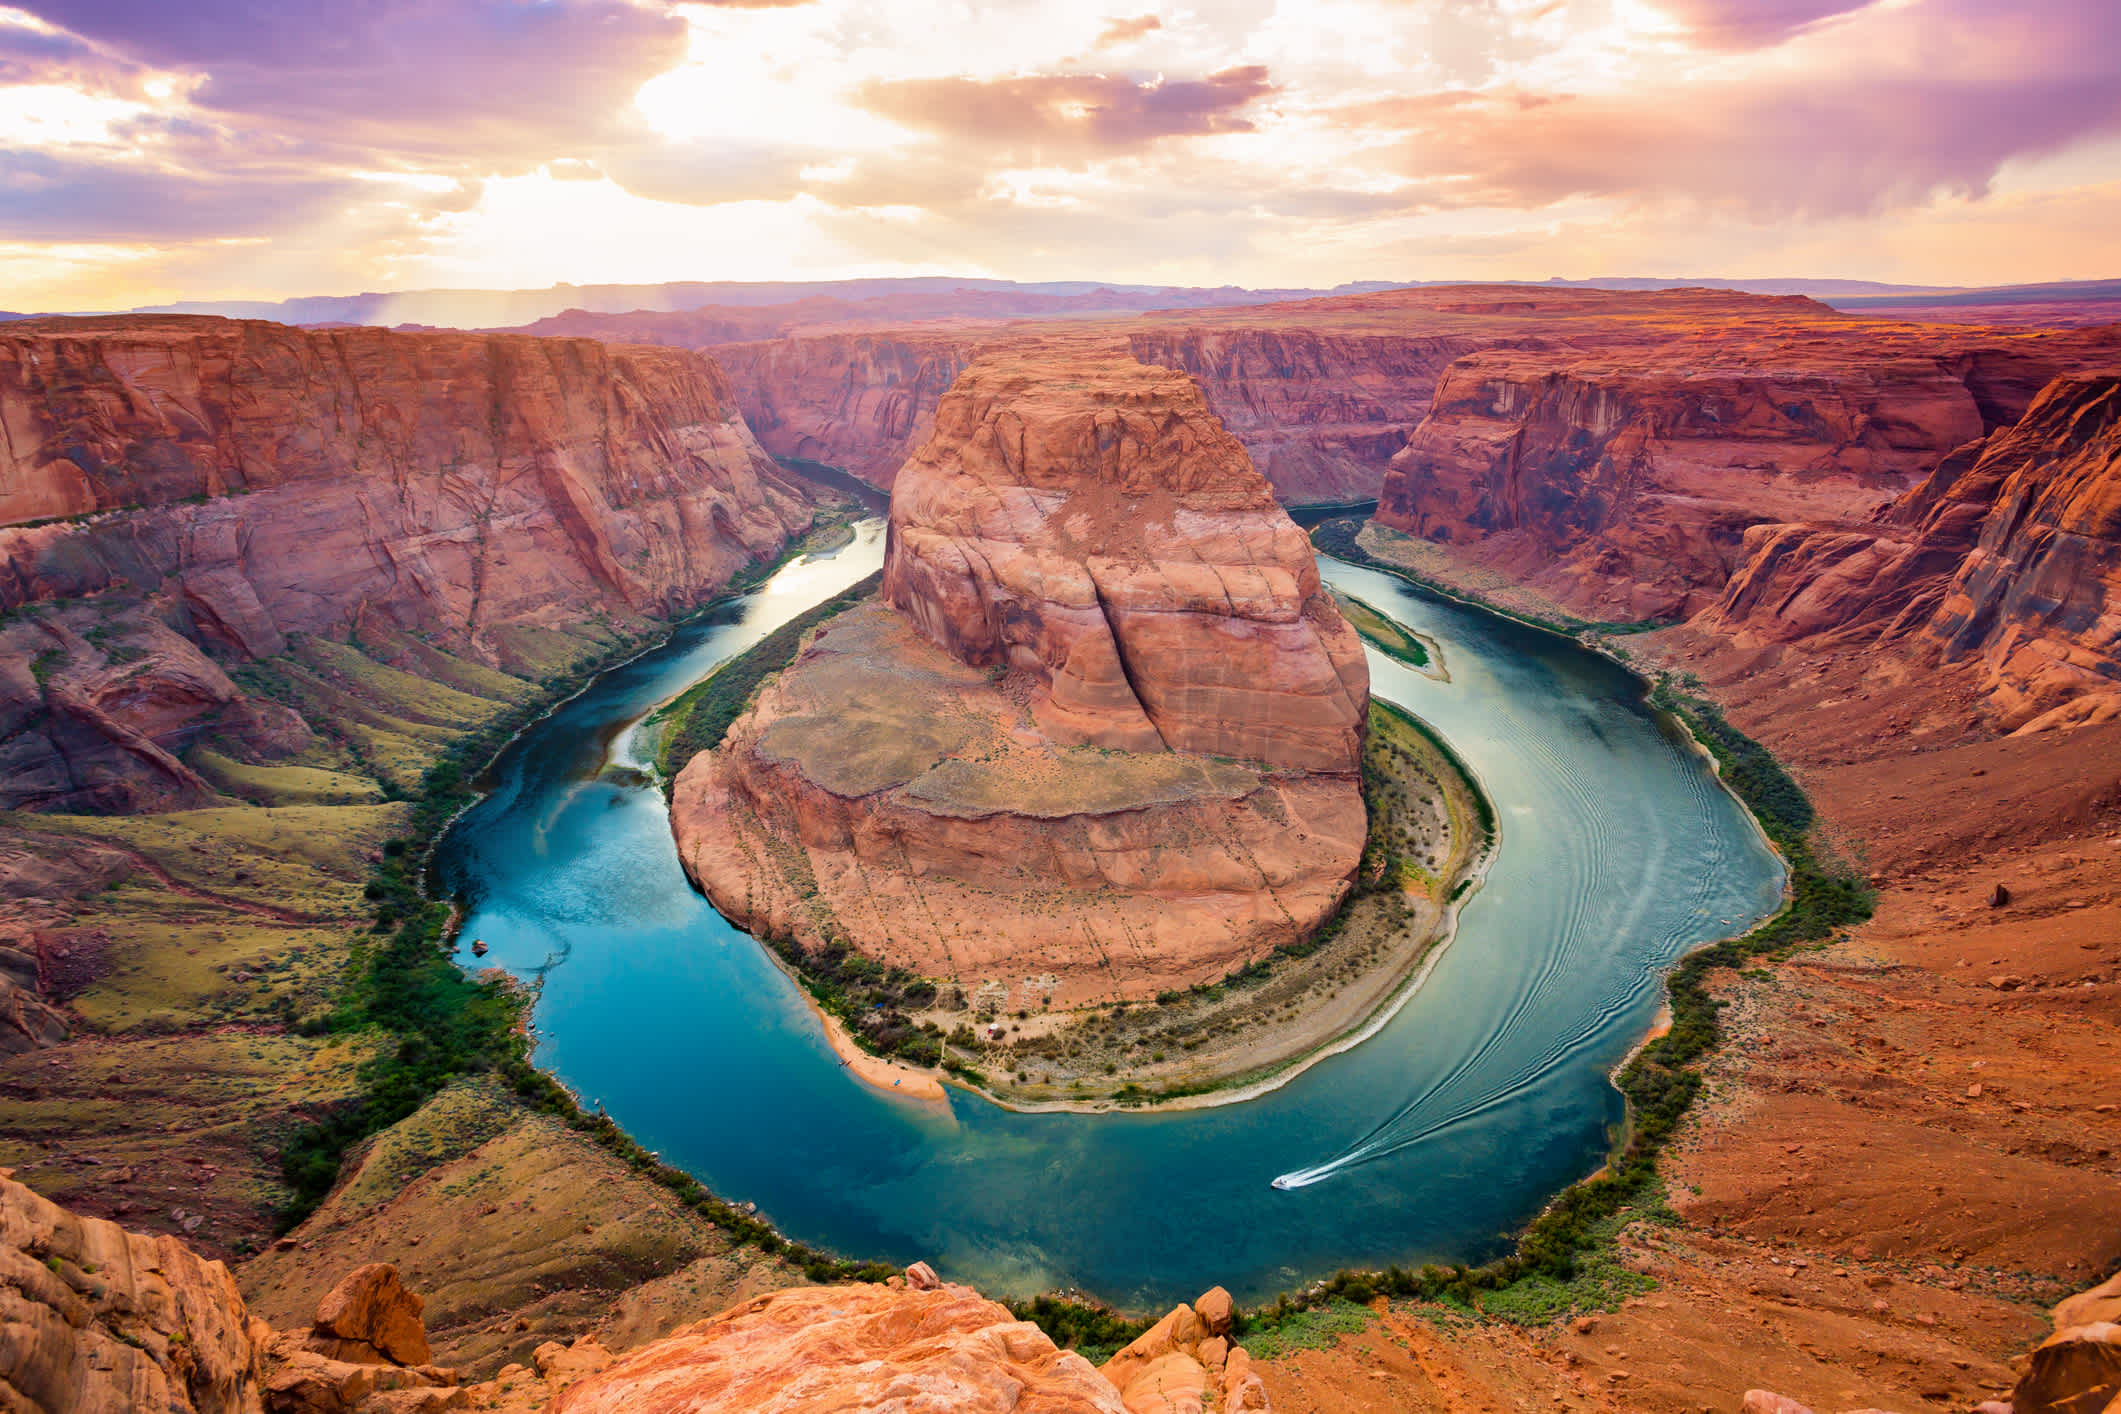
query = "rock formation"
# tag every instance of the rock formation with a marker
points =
(1322, 413)
(1107, 680)
(187, 487)
(850, 1348)
(105, 1321)
(1618, 472)
(859, 402)
(2000, 560)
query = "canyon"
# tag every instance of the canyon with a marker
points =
(1103, 677)
(1888, 545)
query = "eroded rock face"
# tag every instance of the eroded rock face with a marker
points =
(859, 402)
(106, 1321)
(221, 485)
(1624, 488)
(1100, 740)
(449, 481)
(1094, 524)
(2001, 560)
(818, 1349)
(1322, 413)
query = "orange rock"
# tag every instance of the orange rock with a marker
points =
(1216, 1310)
(2074, 1371)
(818, 1349)
(1080, 558)
(1091, 523)
(1180, 1331)
(106, 1321)
(371, 1317)
(1174, 1383)
(2100, 1303)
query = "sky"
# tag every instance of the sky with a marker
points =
(153, 150)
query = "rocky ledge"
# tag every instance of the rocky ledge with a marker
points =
(1102, 738)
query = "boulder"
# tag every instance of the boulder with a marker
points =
(2100, 1303)
(921, 1277)
(2077, 1370)
(1181, 1330)
(1173, 1383)
(104, 1321)
(1216, 1310)
(371, 1318)
(1760, 1401)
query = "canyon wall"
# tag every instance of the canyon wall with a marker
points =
(1623, 483)
(2003, 560)
(185, 492)
(1099, 739)
(1322, 413)
(860, 402)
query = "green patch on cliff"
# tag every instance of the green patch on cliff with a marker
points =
(282, 784)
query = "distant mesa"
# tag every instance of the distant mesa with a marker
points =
(1101, 728)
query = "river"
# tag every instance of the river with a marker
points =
(1433, 1140)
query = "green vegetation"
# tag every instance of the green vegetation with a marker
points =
(1096, 1332)
(1284, 1329)
(1390, 639)
(871, 998)
(698, 719)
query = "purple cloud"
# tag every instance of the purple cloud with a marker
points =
(1070, 117)
(499, 84)
(1752, 24)
(1957, 89)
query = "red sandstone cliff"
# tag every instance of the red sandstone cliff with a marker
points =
(860, 402)
(1623, 483)
(2003, 560)
(1322, 413)
(1111, 685)
(211, 487)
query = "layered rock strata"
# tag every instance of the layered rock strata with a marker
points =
(1322, 413)
(859, 402)
(1621, 478)
(2002, 561)
(186, 490)
(1102, 736)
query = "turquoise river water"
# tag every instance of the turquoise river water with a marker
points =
(1433, 1140)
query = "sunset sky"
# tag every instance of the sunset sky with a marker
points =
(165, 149)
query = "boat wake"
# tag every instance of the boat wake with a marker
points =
(1590, 914)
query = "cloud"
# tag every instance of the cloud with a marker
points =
(1042, 118)
(1752, 24)
(1117, 32)
(493, 84)
(64, 198)
(1901, 106)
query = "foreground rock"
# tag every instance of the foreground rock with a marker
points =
(179, 489)
(106, 1321)
(1103, 739)
(850, 1348)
